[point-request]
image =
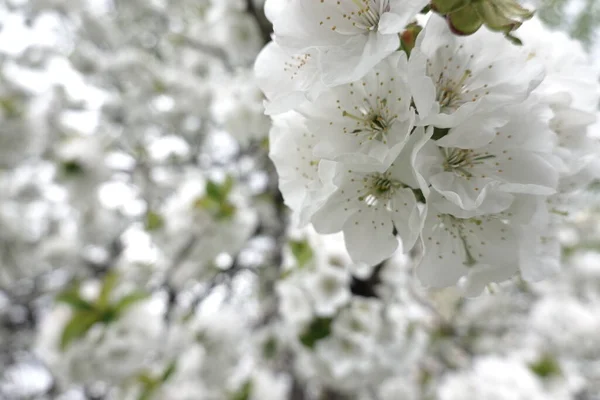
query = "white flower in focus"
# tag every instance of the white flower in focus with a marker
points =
(370, 203)
(287, 80)
(351, 36)
(371, 116)
(463, 82)
(492, 378)
(517, 160)
(485, 248)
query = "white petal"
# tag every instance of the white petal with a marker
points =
(369, 236)
(356, 57)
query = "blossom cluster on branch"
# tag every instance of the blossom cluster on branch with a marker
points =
(146, 250)
(472, 147)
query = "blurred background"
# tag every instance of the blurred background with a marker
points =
(146, 253)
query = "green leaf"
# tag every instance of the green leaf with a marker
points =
(153, 221)
(301, 251)
(146, 379)
(244, 392)
(171, 368)
(226, 211)
(108, 285)
(227, 186)
(77, 327)
(73, 298)
(129, 300)
(213, 191)
(205, 203)
(318, 329)
(545, 367)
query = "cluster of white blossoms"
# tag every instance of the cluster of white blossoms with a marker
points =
(471, 148)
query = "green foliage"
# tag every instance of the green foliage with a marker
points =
(545, 367)
(318, 329)
(216, 201)
(81, 322)
(301, 251)
(153, 221)
(86, 313)
(150, 384)
(244, 392)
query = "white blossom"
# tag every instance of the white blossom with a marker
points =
(350, 36)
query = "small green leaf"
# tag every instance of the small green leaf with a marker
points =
(545, 367)
(108, 285)
(244, 392)
(318, 329)
(129, 300)
(171, 368)
(227, 186)
(226, 211)
(153, 221)
(205, 203)
(301, 251)
(213, 191)
(145, 379)
(77, 327)
(73, 298)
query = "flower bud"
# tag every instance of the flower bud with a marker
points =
(409, 37)
(465, 21)
(465, 17)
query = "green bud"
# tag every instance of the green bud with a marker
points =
(465, 21)
(408, 38)
(448, 6)
(465, 17)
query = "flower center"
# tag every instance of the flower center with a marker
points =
(450, 90)
(373, 124)
(461, 160)
(379, 187)
(368, 14)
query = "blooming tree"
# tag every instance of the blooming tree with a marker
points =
(296, 200)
